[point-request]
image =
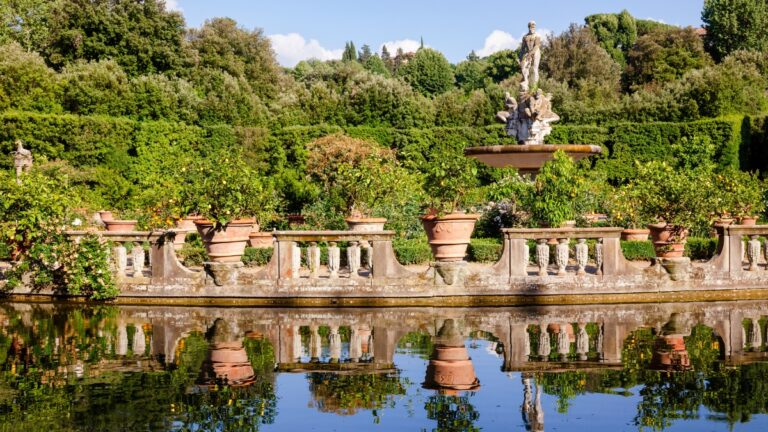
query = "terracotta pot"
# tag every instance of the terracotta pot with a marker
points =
(662, 235)
(295, 219)
(188, 223)
(181, 237)
(449, 235)
(120, 225)
(260, 240)
(723, 221)
(105, 215)
(226, 244)
(365, 224)
(748, 220)
(635, 234)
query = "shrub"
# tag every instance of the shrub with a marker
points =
(485, 250)
(701, 248)
(412, 251)
(638, 250)
(254, 257)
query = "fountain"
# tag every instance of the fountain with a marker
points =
(528, 120)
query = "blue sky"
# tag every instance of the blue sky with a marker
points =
(302, 29)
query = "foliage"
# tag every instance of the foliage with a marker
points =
(448, 178)
(223, 188)
(556, 189)
(345, 394)
(26, 83)
(616, 33)
(140, 36)
(484, 250)
(192, 254)
(412, 251)
(735, 25)
(502, 65)
(471, 74)
(741, 193)
(638, 250)
(254, 257)
(428, 72)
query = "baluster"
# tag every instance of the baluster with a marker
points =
(314, 344)
(599, 257)
(296, 345)
(743, 250)
(121, 344)
(544, 348)
(526, 344)
(582, 256)
(355, 345)
(313, 259)
(334, 343)
(139, 341)
(756, 338)
(368, 257)
(753, 252)
(582, 342)
(295, 261)
(137, 254)
(121, 258)
(353, 258)
(561, 256)
(563, 342)
(542, 256)
(526, 256)
(334, 260)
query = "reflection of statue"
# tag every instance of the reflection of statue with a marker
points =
(530, 55)
(533, 413)
(22, 160)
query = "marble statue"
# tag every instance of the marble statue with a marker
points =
(530, 56)
(528, 117)
(22, 160)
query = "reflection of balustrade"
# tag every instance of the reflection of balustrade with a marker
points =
(608, 258)
(380, 257)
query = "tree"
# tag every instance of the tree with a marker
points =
(26, 83)
(26, 22)
(365, 54)
(470, 74)
(665, 55)
(575, 56)
(428, 72)
(376, 65)
(386, 57)
(141, 36)
(502, 65)
(616, 33)
(221, 44)
(96, 88)
(735, 25)
(350, 53)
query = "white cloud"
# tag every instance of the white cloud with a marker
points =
(408, 45)
(657, 20)
(292, 48)
(172, 5)
(496, 41)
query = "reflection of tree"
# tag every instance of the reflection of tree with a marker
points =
(565, 385)
(453, 413)
(419, 343)
(346, 393)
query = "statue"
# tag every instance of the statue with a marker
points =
(528, 118)
(530, 56)
(22, 160)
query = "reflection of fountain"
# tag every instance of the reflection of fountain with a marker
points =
(227, 361)
(669, 351)
(450, 369)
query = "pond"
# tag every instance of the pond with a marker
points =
(676, 366)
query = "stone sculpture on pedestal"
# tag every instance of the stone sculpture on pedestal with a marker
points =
(22, 160)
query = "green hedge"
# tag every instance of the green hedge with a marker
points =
(257, 256)
(412, 251)
(638, 250)
(695, 248)
(484, 250)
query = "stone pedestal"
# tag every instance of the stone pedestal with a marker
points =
(223, 273)
(452, 273)
(677, 268)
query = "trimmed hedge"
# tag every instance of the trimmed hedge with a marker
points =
(484, 250)
(638, 250)
(695, 247)
(412, 251)
(254, 257)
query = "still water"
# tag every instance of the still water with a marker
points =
(684, 366)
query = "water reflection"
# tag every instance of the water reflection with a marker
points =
(165, 368)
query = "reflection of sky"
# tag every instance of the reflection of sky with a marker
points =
(498, 402)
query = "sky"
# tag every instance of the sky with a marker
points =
(303, 29)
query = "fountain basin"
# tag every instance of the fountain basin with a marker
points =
(528, 158)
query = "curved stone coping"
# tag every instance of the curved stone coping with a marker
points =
(317, 236)
(533, 148)
(575, 233)
(527, 157)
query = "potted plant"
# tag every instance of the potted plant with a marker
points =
(373, 184)
(129, 220)
(449, 177)
(744, 195)
(625, 212)
(556, 192)
(677, 200)
(225, 191)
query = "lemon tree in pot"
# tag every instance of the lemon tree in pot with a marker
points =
(742, 195)
(677, 200)
(449, 178)
(557, 190)
(226, 192)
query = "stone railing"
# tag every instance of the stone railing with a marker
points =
(740, 249)
(131, 260)
(608, 257)
(370, 250)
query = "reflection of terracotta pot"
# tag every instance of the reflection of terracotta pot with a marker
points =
(635, 234)
(227, 362)
(226, 244)
(120, 225)
(188, 223)
(365, 224)
(670, 354)
(449, 235)
(260, 240)
(451, 353)
(748, 220)
(662, 235)
(228, 355)
(450, 368)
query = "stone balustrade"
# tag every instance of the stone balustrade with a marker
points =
(365, 250)
(608, 258)
(740, 249)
